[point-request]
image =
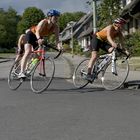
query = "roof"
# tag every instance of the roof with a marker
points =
(77, 26)
(132, 9)
(86, 19)
(87, 32)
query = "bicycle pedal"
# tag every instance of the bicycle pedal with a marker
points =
(90, 81)
(23, 79)
(42, 74)
(115, 73)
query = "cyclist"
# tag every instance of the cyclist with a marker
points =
(105, 39)
(20, 45)
(20, 49)
(34, 37)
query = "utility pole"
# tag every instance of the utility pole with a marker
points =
(94, 11)
(94, 5)
(71, 24)
(72, 47)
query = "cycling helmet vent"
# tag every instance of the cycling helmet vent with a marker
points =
(53, 12)
(120, 21)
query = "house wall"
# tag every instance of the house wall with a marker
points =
(134, 24)
(85, 42)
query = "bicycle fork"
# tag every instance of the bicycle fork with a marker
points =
(42, 68)
(113, 67)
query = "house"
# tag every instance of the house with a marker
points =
(131, 12)
(83, 33)
(80, 30)
(83, 29)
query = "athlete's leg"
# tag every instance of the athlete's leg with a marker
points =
(28, 49)
(94, 55)
(96, 43)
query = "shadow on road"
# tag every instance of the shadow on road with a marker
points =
(74, 90)
(132, 84)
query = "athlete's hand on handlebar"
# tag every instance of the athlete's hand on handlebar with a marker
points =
(40, 41)
(127, 53)
(115, 45)
(59, 47)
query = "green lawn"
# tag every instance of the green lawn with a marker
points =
(7, 55)
(134, 63)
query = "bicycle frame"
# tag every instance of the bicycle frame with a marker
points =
(114, 69)
(107, 59)
(40, 55)
(41, 58)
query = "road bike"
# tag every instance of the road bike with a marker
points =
(40, 69)
(113, 67)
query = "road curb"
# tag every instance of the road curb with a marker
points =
(2, 61)
(71, 65)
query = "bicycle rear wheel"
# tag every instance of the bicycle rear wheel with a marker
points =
(111, 81)
(42, 75)
(13, 81)
(80, 73)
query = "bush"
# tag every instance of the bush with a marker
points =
(67, 48)
(5, 50)
(77, 49)
(133, 43)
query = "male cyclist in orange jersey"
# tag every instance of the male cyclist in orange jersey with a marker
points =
(105, 39)
(34, 37)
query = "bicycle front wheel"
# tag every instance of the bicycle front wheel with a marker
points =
(112, 81)
(13, 81)
(80, 73)
(42, 75)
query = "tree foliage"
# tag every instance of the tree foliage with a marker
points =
(107, 11)
(30, 17)
(12, 24)
(8, 26)
(133, 43)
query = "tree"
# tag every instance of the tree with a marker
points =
(133, 43)
(31, 17)
(67, 17)
(8, 25)
(107, 11)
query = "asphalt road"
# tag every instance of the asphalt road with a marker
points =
(64, 113)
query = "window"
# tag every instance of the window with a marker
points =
(128, 1)
(136, 23)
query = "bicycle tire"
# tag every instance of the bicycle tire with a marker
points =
(78, 77)
(111, 81)
(13, 81)
(40, 82)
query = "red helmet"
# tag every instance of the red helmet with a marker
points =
(120, 21)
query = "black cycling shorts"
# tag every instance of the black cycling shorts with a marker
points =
(97, 44)
(30, 38)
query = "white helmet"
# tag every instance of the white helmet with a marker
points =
(120, 21)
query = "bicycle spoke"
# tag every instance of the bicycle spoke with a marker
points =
(80, 74)
(13, 81)
(112, 81)
(42, 75)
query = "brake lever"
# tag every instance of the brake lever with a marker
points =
(54, 48)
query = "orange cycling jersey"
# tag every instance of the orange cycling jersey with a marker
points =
(102, 35)
(45, 29)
